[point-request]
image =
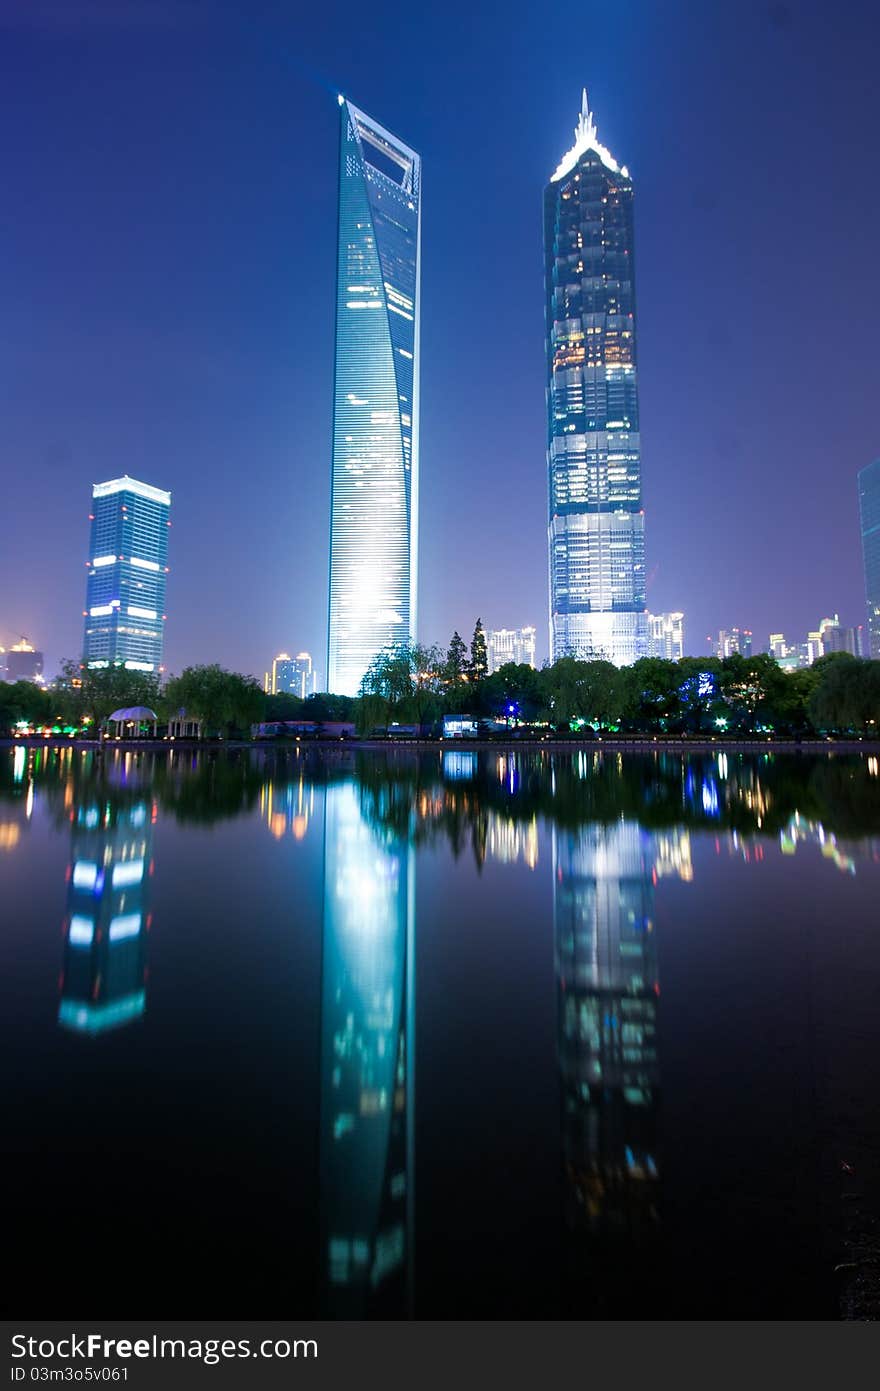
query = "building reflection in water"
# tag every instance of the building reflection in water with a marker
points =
(16, 818)
(103, 984)
(459, 765)
(367, 1048)
(508, 842)
(608, 989)
(287, 806)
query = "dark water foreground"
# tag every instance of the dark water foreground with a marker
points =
(481, 1034)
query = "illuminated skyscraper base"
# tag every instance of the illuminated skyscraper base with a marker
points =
(615, 637)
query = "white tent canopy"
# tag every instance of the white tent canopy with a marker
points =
(133, 715)
(134, 712)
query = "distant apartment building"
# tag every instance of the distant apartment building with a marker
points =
(128, 569)
(733, 640)
(23, 662)
(835, 638)
(869, 516)
(811, 649)
(666, 636)
(510, 645)
(291, 676)
(786, 655)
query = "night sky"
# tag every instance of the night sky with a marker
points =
(168, 267)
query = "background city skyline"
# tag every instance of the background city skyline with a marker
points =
(171, 233)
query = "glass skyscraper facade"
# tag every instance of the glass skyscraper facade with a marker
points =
(125, 590)
(596, 523)
(374, 503)
(869, 512)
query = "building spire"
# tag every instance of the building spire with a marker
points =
(586, 138)
(585, 131)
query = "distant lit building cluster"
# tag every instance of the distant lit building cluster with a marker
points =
(505, 645)
(829, 636)
(127, 573)
(732, 641)
(291, 676)
(666, 636)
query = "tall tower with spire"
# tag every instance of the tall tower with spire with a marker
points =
(596, 521)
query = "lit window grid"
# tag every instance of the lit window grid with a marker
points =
(292, 675)
(510, 645)
(134, 526)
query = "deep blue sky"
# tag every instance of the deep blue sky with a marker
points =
(168, 233)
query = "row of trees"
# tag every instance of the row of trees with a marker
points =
(83, 698)
(224, 701)
(697, 695)
(417, 685)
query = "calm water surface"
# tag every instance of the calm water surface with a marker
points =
(355, 1034)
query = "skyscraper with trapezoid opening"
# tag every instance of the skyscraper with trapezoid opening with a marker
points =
(596, 522)
(374, 501)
